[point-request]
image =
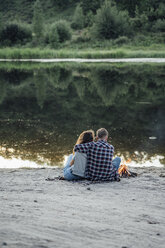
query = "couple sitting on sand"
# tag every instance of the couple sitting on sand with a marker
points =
(92, 160)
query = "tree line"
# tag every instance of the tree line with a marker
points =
(96, 19)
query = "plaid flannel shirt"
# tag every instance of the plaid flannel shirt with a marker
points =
(99, 160)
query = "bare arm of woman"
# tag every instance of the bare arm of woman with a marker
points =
(72, 162)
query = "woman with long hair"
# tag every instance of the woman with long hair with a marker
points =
(76, 162)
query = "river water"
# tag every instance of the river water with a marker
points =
(45, 106)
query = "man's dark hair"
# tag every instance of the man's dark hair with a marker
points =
(101, 133)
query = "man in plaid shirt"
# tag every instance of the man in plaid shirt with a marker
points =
(100, 165)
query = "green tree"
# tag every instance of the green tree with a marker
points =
(140, 21)
(110, 23)
(89, 19)
(53, 36)
(63, 30)
(148, 6)
(64, 3)
(91, 5)
(159, 26)
(1, 22)
(78, 18)
(160, 12)
(129, 5)
(15, 33)
(38, 21)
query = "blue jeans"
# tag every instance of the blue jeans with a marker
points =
(67, 170)
(116, 162)
(68, 173)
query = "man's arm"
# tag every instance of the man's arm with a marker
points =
(83, 147)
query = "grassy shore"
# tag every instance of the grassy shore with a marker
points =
(123, 52)
(28, 66)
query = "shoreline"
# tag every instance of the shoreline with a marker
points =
(80, 60)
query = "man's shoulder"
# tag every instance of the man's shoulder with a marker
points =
(111, 146)
(104, 144)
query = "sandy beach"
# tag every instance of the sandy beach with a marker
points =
(39, 213)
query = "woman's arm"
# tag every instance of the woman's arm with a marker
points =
(72, 162)
(73, 159)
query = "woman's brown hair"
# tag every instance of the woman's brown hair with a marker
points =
(85, 137)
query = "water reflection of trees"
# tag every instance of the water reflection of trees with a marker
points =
(32, 140)
(2, 91)
(40, 86)
(128, 100)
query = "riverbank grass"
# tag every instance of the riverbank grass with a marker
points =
(37, 53)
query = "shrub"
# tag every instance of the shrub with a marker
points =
(84, 36)
(110, 23)
(63, 30)
(159, 26)
(78, 18)
(53, 36)
(14, 33)
(140, 37)
(121, 40)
